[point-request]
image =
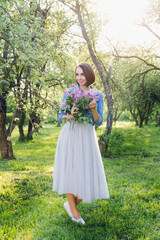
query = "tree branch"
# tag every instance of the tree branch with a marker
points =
(149, 29)
(139, 58)
(72, 7)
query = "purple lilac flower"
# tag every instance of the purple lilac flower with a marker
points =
(79, 93)
(83, 99)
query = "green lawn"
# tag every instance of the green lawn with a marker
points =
(30, 210)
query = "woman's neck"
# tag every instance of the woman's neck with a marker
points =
(85, 88)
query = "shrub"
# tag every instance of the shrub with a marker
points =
(113, 143)
(125, 116)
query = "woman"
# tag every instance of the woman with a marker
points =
(78, 167)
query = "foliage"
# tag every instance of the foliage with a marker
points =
(125, 116)
(113, 143)
(32, 65)
(30, 210)
(133, 90)
(143, 71)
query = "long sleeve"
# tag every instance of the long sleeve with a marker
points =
(60, 112)
(100, 104)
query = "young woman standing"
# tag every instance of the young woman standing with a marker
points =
(78, 167)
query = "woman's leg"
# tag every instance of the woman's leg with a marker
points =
(73, 205)
(78, 200)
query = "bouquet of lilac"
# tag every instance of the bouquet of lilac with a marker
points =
(81, 100)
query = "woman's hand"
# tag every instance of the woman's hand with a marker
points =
(68, 117)
(73, 110)
(92, 105)
(93, 108)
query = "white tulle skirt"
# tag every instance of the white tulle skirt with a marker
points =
(78, 167)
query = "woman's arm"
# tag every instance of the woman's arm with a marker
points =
(97, 110)
(93, 108)
(61, 114)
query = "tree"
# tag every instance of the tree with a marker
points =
(142, 106)
(87, 23)
(27, 45)
(135, 87)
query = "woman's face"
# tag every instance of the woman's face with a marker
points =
(80, 78)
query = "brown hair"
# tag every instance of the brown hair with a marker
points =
(88, 72)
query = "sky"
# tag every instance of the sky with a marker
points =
(124, 16)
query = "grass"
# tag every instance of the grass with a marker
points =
(30, 210)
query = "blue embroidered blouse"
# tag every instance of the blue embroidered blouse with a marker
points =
(99, 107)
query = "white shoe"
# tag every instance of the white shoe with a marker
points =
(80, 220)
(66, 206)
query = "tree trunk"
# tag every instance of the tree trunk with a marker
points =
(141, 122)
(29, 136)
(134, 116)
(141, 115)
(146, 120)
(102, 145)
(33, 122)
(5, 144)
(157, 118)
(57, 118)
(37, 122)
(109, 103)
(100, 68)
(20, 126)
(14, 121)
(30, 126)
